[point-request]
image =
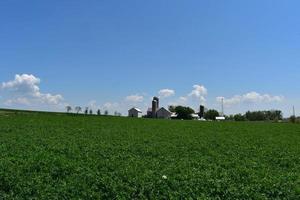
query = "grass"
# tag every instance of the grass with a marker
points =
(55, 156)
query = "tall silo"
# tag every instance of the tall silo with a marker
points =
(157, 101)
(201, 112)
(154, 108)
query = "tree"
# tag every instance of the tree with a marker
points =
(211, 114)
(91, 111)
(273, 115)
(106, 112)
(255, 116)
(117, 114)
(86, 111)
(69, 108)
(239, 117)
(184, 112)
(293, 119)
(78, 109)
(172, 108)
(98, 112)
(230, 117)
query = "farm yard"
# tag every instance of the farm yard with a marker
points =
(60, 156)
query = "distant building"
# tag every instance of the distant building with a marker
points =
(220, 118)
(201, 111)
(195, 116)
(156, 111)
(134, 112)
(163, 113)
(149, 113)
(174, 116)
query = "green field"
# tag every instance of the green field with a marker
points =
(52, 156)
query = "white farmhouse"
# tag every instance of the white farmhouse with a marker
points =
(134, 112)
(163, 113)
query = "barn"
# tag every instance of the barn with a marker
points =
(134, 112)
(163, 113)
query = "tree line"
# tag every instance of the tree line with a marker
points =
(211, 114)
(267, 115)
(88, 111)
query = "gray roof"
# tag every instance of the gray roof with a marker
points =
(136, 109)
(162, 108)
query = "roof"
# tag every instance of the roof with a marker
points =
(220, 118)
(194, 115)
(136, 109)
(174, 115)
(162, 108)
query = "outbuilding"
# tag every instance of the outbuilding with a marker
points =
(134, 112)
(221, 118)
(195, 116)
(163, 113)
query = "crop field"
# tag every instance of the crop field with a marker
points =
(59, 156)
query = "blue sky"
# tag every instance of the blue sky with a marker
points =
(117, 54)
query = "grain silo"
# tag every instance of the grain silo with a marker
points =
(157, 101)
(154, 108)
(201, 112)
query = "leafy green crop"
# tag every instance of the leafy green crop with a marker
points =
(52, 156)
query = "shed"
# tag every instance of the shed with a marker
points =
(220, 118)
(195, 116)
(134, 112)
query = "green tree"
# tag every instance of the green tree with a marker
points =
(78, 109)
(230, 117)
(86, 111)
(69, 109)
(273, 115)
(293, 119)
(184, 112)
(172, 108)
(211, 114)
(239, 117)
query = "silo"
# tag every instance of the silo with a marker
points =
(157, 101)
(154, 108)
(201, 112)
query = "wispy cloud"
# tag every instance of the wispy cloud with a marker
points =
(251, 97)
(164, 93)
(135, 98)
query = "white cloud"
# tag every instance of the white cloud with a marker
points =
(24, 89)
(182, 99)
(25, 84)
(164, 93)
(251, 97)
(134, 98)
(193, 99)
(198, 91)
(92, 104)
(20, 100)
(179, 101)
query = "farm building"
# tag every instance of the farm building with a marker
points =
(195, 116)
(156, 111)
(220, 118)
(163, 113)
(134, 112)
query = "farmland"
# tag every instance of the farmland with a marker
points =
(59, 156)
